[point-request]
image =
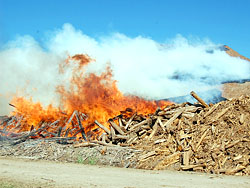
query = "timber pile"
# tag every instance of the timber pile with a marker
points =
(196, 137)
(214, 139)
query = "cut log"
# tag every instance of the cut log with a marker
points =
(211, 110)
(103, 127)
(12, 105)
(59, 131)
(129, 121)
(179, 125)
(77, 132)
(161, 124)
(103, 137)
(50, 133)
(136, 126)
(232, 144)
(171, 159)
(131, 139)
(186, 157)
(221, 113)
(67, 132)
(121, 137)
(80, 126)
(192, 109)
(201, 139)
(25, 136)
(120, 122)
(54, 123)
(112, 132)
(155, 128)
(171, 120)
(147, 155)
(142, 132)
(199, 99)
(116, 127)
(188, 167)
(160, 141)
(70, 119)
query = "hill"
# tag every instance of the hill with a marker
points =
(233, 53)
(231, 90)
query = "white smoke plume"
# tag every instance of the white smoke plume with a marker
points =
(142, 66)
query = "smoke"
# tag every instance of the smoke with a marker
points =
(141, 66)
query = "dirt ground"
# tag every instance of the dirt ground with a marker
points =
(16, 172)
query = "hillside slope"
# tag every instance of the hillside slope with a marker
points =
(231, 90)
(233, 53)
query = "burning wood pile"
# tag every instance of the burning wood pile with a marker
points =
(197, 137)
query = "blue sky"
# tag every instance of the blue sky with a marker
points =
(222, 21)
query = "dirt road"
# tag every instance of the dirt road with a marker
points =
(27, 173)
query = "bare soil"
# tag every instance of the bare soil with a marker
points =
(26, 173)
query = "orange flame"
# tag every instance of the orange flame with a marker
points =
(95, 95)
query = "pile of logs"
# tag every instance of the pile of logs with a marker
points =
(63, 131)
(197, 137)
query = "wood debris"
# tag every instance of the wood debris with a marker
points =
(205, 138)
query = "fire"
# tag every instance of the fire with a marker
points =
(97, 96)
(33, 113)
